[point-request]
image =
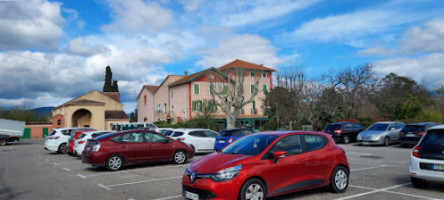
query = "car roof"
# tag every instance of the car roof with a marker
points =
(235, 129)
(341, 123)
(423, 123)
(280, 133)
(386, 122)
(437, 127)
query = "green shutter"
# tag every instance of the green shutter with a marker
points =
(196, 88)
(265, 89)
(225, 89)
(252, 74)
(26, 134)
(252, 89)
(193, 106)
(45, 132)
(254, 104)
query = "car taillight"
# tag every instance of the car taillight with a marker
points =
(180, 139)
(230, 141)
(81, 142)
(421, 133)
(416, 151)
(400, 133)
(96, 146)
(339, 131)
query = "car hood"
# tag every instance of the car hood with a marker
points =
(215, 162)
(364, 133)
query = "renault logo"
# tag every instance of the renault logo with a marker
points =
(192, 177)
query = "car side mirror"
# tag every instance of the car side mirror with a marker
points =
(278, 155)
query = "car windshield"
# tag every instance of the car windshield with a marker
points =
(53, 132)
(250, 145)
(176, 134)
(230, 133)
(378, 127)
(413, 129)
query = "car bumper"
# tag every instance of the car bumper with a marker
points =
(51, 146)
(371, 141)
(96, 158)
(428, 175)
(206, 188)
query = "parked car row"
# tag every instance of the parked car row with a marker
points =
(379, 133)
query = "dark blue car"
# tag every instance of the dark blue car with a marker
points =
(228, 136)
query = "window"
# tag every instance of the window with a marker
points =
(290, 144)
(144, 100)
(159, 108)
(59, 122)
(252, 88)
(165, 105)
(116, 139)
(314, 142)
(225, 89)
(357, 126)
(210, 134)
(196, 88)
(252, 74)
(145, 119)
(348, 126)
(264, 89)
(132, 138)
(254, 104)
(196, 105)
(211, 88)
(152, 137)
(264, 75)
(176, 134)
(197, 134)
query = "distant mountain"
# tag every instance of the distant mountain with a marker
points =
(42, 110)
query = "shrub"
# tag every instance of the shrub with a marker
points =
(430, 115)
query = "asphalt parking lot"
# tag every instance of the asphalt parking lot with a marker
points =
(27, 171)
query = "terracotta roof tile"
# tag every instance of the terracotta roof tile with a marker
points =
(150, 88)
(115, 114)
(84, 102)
(245, 65)
(112, 95)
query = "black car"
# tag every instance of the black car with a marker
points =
(344, 132)
(412, 133)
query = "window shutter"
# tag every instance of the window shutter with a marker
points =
(193, 106)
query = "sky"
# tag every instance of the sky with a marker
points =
(53, 51)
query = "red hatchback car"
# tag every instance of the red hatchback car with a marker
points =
(115, 150)
(268, 164)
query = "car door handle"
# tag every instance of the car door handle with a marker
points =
(300, 163)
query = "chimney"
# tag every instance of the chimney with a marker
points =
(186, 73)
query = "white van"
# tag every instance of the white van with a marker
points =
(133, 126)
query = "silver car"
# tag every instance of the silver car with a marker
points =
(383, 133)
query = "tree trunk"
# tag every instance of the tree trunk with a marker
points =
(231, 120)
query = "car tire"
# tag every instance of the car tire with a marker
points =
(114, 163)
(253, 189)
(418, 183)
(2, 142)
(345, 139)
(386, 141)
(339, 180)
(62, 148)
(180, 157)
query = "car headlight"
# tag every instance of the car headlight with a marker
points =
(376, 137)
(187, 171)
(227, 174)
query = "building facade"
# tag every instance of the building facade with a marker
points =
(94, 109)
(179, 98)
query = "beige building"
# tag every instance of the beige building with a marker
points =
(179, 98)
(94, 109)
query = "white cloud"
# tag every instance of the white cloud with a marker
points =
(426, 69)
(252, 48)
(30, 24)
(428, 39)
(376, 51)
(138, 15)
(78, 46)
(190, 5)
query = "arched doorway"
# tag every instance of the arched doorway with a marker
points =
(81, 118)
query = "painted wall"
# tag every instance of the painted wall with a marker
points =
(37, 129)
(145, 110)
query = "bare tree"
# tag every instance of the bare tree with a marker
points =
(231, 99)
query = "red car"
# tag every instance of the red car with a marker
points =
(115, 150)
(268, 164)
(70, 146)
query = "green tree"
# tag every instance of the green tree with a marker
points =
(133, 116)
(110, 85)
(330, 108)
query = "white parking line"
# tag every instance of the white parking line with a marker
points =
(374, 167)
(374, 191)
(55, 164)
(101, 174)
(81, 176)
(145, 181)
(47, 160)
(103, 186)
(171, 197)
(393, 192)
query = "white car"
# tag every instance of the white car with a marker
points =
(427, 158)
(80, 143)
(58, 138)
(165, 131)
(200, 140)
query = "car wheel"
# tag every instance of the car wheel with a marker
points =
(114, 163)
(2, 142)
(386, 141)
(180, 157)
(345, 139)
(339, 180)
(253, 189)
(62, 148)
(418, 183)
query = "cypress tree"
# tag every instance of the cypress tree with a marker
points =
(107, 87)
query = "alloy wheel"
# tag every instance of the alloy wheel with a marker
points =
(180, 157)
(254, 192)
(115, 163)
(341, 179)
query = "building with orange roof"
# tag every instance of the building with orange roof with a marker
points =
(180, 98)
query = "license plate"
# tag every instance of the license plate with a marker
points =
(88, 148)
(192, 196)
(410, 135)
(438, 167)
(221, 141)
